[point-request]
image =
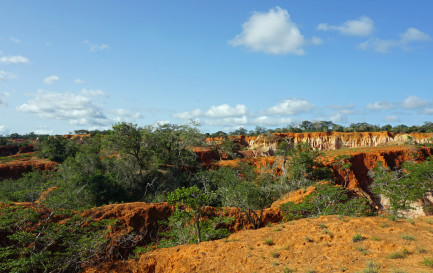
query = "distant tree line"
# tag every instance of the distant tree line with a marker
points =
(328, 126)
(302, 127)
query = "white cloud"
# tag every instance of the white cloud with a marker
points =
(215, 111)
(413, 102)
(76, 108)
(43, 130)
(392, 119)
(428, 111)
(228, 121)
(363, 26)
(3, 98)
(51, 79)
(380, 105)
(4, 75)
(125, 115)
(272, 32)
(412, 35)
(290, 107)
(269, 121)
(96, 47)
(188, 115)
(93, 92)
(3, 131)
(15, 40)
(14, 59)
(160, 123)
(225, 110)
(341, 115)
(78, 81)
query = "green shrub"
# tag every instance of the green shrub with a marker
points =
(427, 262)
(404, 186)
(36, 241)
(407, 237)
(357, 238)
(190, 226)
(327, 199)
(25, 189)
(269, 242)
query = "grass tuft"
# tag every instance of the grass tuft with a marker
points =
(357, 238)
(407, 237)
(269, 242)
(275, 254)
(427, 262)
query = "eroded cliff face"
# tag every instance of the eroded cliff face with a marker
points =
(334, 140)
(15, 169)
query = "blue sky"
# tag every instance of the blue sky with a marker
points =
(68, 65)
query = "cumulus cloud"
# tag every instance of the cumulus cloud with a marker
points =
(392, 118)
(3, 98)
(341, 115)
(290, 106)
(380, 105)
(215, 111)
(14, 59)
(76, 108)
(78, 81)
(125, 115)
(225, 110)
(43, 130)
(95, 47)
(414, 35)
(363, 26)
(413, 102)
(232, 121)
(4, 75)
(188, 115)
(160, 123)
(428, 111)
(51, 79)
(269, 121)
(272, 32)
(3, 130)
(93, 92)
(410, 36)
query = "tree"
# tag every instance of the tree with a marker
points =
(402, 187)
(241, 187)
(344, 164)
(129, 140)
(190, 204)
(301, 167)
(57, 148)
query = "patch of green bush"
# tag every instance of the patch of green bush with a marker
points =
(327, 199)
(37, 239)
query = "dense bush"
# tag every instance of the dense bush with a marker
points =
(189, 222)
(57, 148)
(242, 187)
(25, 189)
(327, 199)
(37, 239)
(402, 187)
